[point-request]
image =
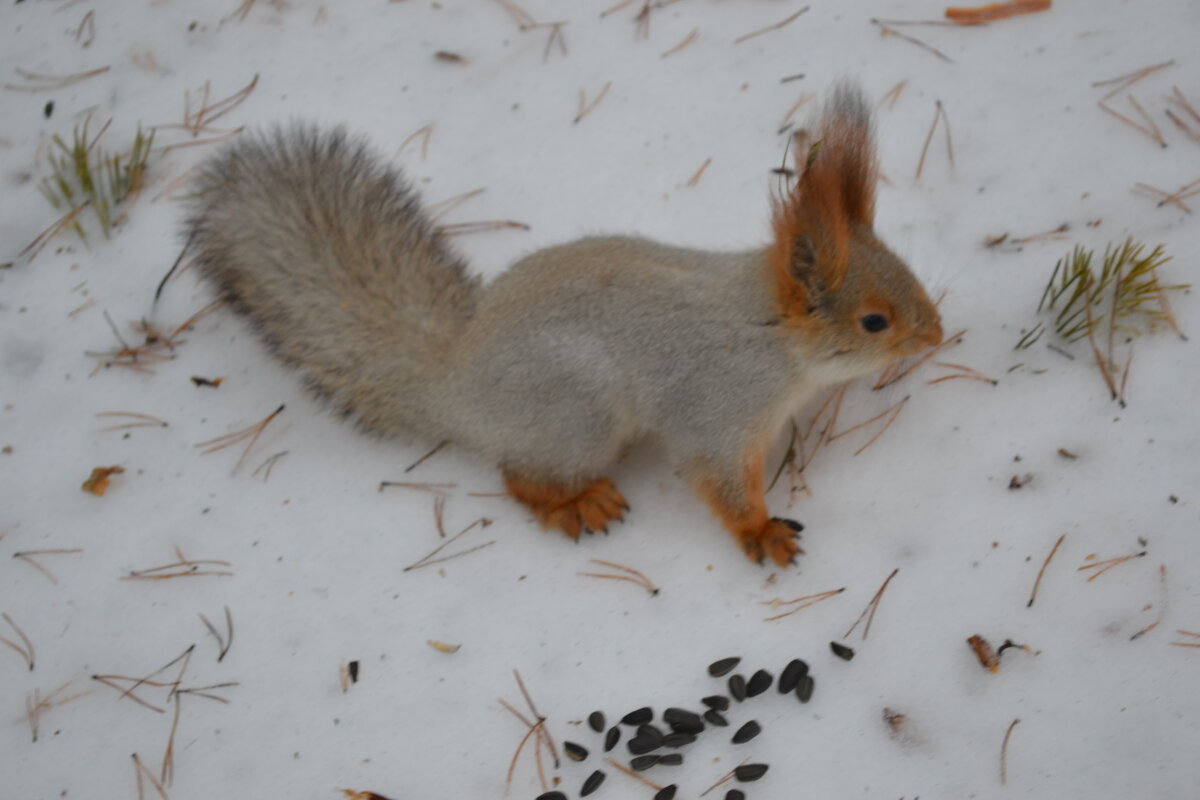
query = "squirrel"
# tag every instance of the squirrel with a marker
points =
(577, 350)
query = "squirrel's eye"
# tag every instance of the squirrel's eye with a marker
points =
(874, 323)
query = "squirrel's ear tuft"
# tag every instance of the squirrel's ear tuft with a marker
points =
(835, 189)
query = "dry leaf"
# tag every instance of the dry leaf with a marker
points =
(98, 482)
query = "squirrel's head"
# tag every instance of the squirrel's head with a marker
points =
(856, 301)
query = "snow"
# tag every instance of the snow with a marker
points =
(318, 550)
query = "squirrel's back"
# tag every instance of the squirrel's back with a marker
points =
(333, 259)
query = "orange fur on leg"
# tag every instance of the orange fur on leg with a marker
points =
(743, 509)
(570, 509)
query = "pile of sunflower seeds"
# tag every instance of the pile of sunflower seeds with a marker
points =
(681, 727)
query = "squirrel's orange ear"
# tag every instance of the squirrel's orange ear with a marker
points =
(835, 189)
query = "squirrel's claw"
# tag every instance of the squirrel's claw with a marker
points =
(776, 538)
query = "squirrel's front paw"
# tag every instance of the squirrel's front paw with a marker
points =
(777, 539)
(573, 512)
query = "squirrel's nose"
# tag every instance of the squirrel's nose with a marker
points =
(932, 335)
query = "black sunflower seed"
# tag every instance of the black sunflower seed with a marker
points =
(678, 739)
(718, 701)
(737, 687)
(749, 772)
(715, 717)
(639, 717)
(735, 794)
(666, 793)
(747, 732)
(642, 763)
(640, 745)
(650, 732)
(804, 688)
(723, 667)
(575, 752)
(792, 673)
(759, 682)
(841, 651)
(552, 796)
(592, 783)
(683, 721)
(596, 721)
(671, 759)
(611, 738)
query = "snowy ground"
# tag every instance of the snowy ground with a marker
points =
(317, 550)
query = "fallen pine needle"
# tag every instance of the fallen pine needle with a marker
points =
(430, 558)
(869, 611)
(888, 30)
(770, 28)
(1042, 571)
(1004, 752)
(27, 557)
(252, 433)
(586, 107)
(625, 770)
(691, 37)
(979, 15)
(695, 179)
(804, 602)
(632, 575)
(1162, 606)
(1108, 564)
(25, 648)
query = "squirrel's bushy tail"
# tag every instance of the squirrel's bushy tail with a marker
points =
(330, 254)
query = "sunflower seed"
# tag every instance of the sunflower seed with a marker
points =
(639, 745)
(749, 772)
(666, 793)
(804, 688)
(678, 739)
(841, 651)
(596, 721)
(715, 717)
(651, 732)
(683, 721)
(792, 673)
(747, 732)
(575, 752)
(642, 763)
(717, 701)
(592, 783)
(759, 683)
(639, 717)
(611, 738)
(552, 796)
(723, 667)
(671, 759)
(735, 794)
(737, 687)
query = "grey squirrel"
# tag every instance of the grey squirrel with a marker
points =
(577, 350)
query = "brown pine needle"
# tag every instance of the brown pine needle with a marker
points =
(439, 506)
(87, 26)
(201, 142)
(437, 448)
(430, 558)
(423, 133)
(1178, 98)
(1187, 131)
(1162, 606)
(139, 767)
(1123, 82)
(269, 464)
(726, 778)
(804, 602)
(770, 28)
(585, 107)
(892, 95)
(695, 179)
(1108, 564)
(888, 30)
(201, 119)
(1042, 571)
(434, 488)
(617, 7)
(939, 115)
(1149, 129)
(835, 436)
(483, 226)
(43, 83)
(27, 557)
(25, 648)
(252, 433)
(897, 372)
(869, 611)
(443, 207)
(519, 15)
(36, 705)
(796, 106)
(223, 642)
(42, 239)
(1004, 752)
(898, 407)
(691, 37)
(619, 767)
(141, 420)
(632, 575)
(183, 568)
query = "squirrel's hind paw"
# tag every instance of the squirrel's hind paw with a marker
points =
(570, 510)
(776, 539)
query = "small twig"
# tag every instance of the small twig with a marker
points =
(804, 602)
(585, 107)
(869, 611)
(25, 648)
(770, 28)
(994, 11)
(1004, 752)
(1042, 571)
